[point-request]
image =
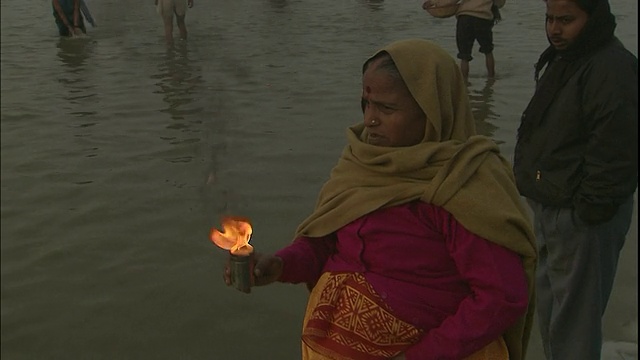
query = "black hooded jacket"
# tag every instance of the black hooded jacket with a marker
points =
(577, 143)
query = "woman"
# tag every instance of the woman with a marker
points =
(419, 246)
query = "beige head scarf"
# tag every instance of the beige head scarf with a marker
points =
(452, 168)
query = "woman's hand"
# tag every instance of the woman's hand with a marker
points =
(266, 270)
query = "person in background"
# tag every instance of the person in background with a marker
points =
(68, 18)
(167, 9)
(576, 161)
(474, 22)
(419, 246)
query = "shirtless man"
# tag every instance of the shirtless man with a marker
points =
(166, 9)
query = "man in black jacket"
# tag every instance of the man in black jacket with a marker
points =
(576, 162)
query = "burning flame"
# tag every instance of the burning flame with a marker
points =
(235, 235)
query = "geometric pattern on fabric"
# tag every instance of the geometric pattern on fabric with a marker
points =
(348, 320)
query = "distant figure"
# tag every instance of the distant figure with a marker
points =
(68, 18)
(166, 9)
(475, 20)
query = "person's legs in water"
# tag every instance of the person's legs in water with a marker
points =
(465, 38)
(182, 26)
(464, 68)
(491, 64)
(166, 10)
(484, 31)
(168, 29)
(180, 10)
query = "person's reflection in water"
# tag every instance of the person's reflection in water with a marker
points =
(278, 4)
(73, 53)
(81, 97)
(179, 83)
(374, 4)
(482, 108)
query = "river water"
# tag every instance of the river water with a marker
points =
(119, 155)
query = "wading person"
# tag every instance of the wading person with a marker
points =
(576, 160)
(419, 237)
(474, 22)
(167, 10)
(68, 17)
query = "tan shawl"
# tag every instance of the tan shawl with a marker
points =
(452, 168)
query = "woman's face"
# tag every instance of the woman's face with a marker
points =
(392, 116)
(565, 21)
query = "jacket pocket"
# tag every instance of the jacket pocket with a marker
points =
(554, 188)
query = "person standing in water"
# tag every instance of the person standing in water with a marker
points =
(167, 9)
(474, 22)
(68, 17)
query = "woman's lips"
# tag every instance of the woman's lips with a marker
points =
(374, 139)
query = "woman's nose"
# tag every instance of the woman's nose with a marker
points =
(370, 117)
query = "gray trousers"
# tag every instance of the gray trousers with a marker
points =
(576, 269)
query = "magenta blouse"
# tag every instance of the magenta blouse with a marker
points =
(461, 289)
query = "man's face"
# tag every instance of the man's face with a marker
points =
(565, 21)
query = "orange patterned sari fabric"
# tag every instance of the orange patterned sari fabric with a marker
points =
(347, 320)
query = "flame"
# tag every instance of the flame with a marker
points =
(235, 235)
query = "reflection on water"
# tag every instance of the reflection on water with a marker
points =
(374, 4)
(179, 82)
(482, 108)
(81, 93)
(74, 52)
(278, 4)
